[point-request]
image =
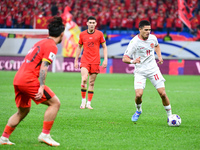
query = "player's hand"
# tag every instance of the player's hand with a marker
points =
(75, 64)
(160, 61)
(40, 93)
(137, 60)
(104, 64)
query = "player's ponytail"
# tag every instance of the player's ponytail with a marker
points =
(55, 26)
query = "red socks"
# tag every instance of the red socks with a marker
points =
(47, 125)
(90, 95)
(7, 131)
(83, 93)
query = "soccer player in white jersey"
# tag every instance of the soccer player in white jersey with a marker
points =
(141, 48)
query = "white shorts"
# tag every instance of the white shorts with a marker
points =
(156, 79)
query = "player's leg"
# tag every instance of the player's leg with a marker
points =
(92, 79)
(165, 100)
(84, 77)
(23, 103)
(13, 121)
(138, 104)
(139, 85)
(49, 117)
(158, 81)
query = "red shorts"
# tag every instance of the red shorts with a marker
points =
(24, 94)
(92, 68)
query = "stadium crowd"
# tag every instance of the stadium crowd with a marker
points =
(110, 14)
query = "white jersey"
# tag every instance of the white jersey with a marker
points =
(145, 50)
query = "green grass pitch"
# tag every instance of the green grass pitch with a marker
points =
(108, 126)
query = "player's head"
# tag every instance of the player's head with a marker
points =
(91, 22)
(145, 29)
(56, 28)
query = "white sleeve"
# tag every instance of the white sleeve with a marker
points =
(130, 49)
(156, 41)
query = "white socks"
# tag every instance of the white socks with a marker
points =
(168, 110)
(88, 102)
(138, 107)
(84, 100)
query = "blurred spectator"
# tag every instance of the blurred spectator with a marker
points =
(130, 22)
(154, 22)
(19, 20)
(178, 24)
(169, 22)
(113, 23)
(167, 37)
(160, 22)
(198, 33)
(198, 17)
(2, 19)
(27, 20)
(54, 9)
(194, 24)
(9, 22)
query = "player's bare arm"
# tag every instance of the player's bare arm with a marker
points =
(158, 52)
(105, 54)
(42, 77)
(127, 60)
(78, 52)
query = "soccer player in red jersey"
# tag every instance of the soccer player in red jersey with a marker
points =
(27, 86)
(90, 39)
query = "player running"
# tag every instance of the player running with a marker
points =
(27, 86)
(90, 39)
(141, 48)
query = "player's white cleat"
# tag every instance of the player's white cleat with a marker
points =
(83, 105)
(46, 138)
(5, 141)
(88, 106)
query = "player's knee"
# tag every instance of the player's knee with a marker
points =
(23, 111)
(84, 79)
(57, 104)
(163, 94)
(91, 83)
(138, 95)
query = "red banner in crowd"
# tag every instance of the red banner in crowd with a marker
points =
(41, 22)
(185, 13)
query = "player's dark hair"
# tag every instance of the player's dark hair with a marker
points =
(144, 23)
(91, 18)
(55, 26)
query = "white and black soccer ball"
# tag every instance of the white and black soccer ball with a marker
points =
(174, 120)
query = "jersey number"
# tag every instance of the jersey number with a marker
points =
(156, 77)
(148, 52)
(31, 50)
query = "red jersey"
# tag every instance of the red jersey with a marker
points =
(28, 73)
(91, 43)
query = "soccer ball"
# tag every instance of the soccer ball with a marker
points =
(174, 120)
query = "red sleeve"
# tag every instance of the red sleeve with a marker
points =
(50, 53)
(102, 39)
(80, 40)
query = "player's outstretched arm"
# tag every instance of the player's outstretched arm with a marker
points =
(43, 73)
(78, 52)
(105, 54)
(127, 60)
(158, 52)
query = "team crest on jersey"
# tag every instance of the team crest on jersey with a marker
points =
(51, 56)
(152, 45)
